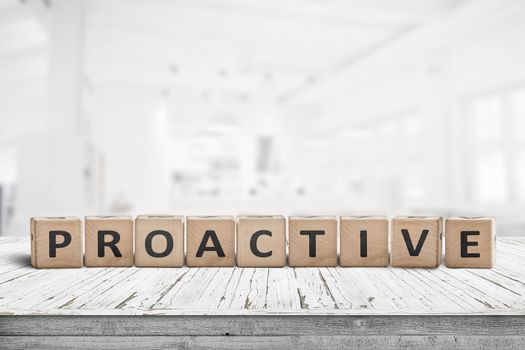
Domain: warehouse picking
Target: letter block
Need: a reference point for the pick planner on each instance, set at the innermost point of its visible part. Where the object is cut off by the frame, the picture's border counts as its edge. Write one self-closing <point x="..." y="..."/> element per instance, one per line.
<point x="363" y="241"/>
<point x="416" y="241"/>
<point x="159" y="241"/>
<point x="261" y="241"/>
<point x="210" y="241"/>
<point x="109" y="241"/>
<point x="470" y="242"/>
<point x="313" y="241"/>
<point x="56" y="242"/>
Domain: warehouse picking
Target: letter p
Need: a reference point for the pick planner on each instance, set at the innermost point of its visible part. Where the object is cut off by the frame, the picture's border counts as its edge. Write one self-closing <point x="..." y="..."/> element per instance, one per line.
<point x="53" y="245"/>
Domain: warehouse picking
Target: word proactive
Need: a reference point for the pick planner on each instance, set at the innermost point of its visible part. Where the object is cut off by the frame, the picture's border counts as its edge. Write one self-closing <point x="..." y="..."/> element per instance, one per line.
<point x="260" y="241"/>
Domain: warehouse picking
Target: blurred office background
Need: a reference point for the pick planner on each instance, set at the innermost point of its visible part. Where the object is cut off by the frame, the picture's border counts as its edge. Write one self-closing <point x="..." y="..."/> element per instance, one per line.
<point x="237" y="106"/>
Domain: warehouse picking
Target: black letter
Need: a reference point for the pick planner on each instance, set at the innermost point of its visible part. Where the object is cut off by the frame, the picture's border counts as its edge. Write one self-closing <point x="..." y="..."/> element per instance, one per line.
<point x="169" y="244"/>
<point x="253" y="244"/>
<point x="115" y="238"/>
<point x="312" y="241"/>
<point x="216" y="244"/>
<point x="410" y="246"/>
<point x="53" y="242"/>
<point x="364" y="245"/>
<point x="465" y="244"/>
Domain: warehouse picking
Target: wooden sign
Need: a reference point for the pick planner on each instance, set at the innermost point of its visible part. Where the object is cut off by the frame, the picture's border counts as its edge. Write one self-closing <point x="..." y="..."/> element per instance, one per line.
<point x="56" y="242"/>
<point x="417" y="241"/>
<point x="363" y="241"/>
<point x="260" y="241"/>
<point x="159" y="241"/>
<point x="470" y="242"/>
<point x="109" y="241"/>
<point x="313" y="241"/>
<point x="211" y="241"/>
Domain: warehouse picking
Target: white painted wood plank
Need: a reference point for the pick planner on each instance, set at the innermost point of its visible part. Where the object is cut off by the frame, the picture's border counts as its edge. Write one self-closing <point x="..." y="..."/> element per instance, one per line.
<point x="98" y="294"/>
<point x="282" y="291"/>
<point x="369" y="295"/>
<point x="231" y="289"/>
<point x="262" y="291"/>
<point x="237" y="299"/>
<point x="252" y="293"/>
<point x="190" y="297"/>
<point x="50" y="291"/>
<point x="180" y="289"/>
<point x="312" y="289"/>
<point x="148" y="293"/>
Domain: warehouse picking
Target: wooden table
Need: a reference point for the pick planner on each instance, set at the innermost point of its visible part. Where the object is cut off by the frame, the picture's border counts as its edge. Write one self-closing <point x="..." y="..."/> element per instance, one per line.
<point x="262" y="308"/>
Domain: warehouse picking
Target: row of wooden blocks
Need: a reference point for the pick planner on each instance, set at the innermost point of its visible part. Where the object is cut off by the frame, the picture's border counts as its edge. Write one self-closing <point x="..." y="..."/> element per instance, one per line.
<point x="260" y="241"/>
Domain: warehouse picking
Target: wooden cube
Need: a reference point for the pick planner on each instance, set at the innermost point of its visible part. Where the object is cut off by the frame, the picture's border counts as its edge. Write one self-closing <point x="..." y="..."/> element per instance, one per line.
<point x="416" y="241"/>
<point x="109" y="241"/>
<point x="261" y="241"/>
<point x="159" y="241"/>
<point x="313" y="241"/>
<point x="470" y="242"/>
<point x="363" y="241"/>
<point x="56" y="242"/>
<point x="210" y="241"/>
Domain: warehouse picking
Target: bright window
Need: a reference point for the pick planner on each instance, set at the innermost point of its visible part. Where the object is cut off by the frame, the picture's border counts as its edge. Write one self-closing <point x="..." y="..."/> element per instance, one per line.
<point x="495" y="140"/>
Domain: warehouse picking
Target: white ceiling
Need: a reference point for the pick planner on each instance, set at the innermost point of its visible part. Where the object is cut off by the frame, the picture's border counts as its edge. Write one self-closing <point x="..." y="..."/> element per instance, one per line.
<point x="234" y="46"/>
<point x="211" y="57"/>
<point x="239" y="45"/>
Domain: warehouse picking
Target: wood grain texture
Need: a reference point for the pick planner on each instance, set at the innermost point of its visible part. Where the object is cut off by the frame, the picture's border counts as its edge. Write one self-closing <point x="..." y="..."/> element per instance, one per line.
<point x="122" y="226"/>
<point x="305" y="253"/>
<point x="69" y="256"/>
<point x="336" y="291"/>
<point x="408" y="232"/>
<point x="479" y="237"/>
<point x="281" y="331"/>
<point x="173" y="227"/>
<point x="262" y="325"/>
<point x="276" y="243"/>
<point x="223" y="228"/>
<point x="239" y="308"/>
<point x="375" y="249"/>
<point x="268" y="342"/>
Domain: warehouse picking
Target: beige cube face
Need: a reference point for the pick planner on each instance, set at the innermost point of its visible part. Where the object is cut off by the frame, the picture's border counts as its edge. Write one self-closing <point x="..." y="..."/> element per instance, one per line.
<point x="159" y="241"/>
<point x="261" y="241"/>
<point x="56" y="242"/>
<point x="210" y="241"/>
<point x="416" y="241"/>
<point x="109" y="241"/>
<point x="363" y="241"/>
<point x="313" y="241"/>
<point x="470" y="242"/>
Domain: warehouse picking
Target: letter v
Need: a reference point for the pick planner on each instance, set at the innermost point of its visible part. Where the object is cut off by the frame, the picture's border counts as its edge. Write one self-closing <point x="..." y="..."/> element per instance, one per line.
<point x="410" y="245"/>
